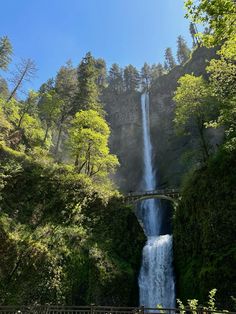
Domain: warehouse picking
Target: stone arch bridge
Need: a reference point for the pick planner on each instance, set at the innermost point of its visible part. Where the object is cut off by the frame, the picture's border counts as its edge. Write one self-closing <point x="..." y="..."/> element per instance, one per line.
<point x="165" y="194"/>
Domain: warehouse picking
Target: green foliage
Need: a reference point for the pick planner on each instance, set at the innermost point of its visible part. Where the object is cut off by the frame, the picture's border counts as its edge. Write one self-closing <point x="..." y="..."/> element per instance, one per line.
<point x="204" y="250"/>
<point x="88" y="144"/>
<point x="195" y="106"/>
<point x="115" y="79"/>
<point x="4" y="92"/>
<point x="183" y="52"/>
<point x="169" y="59"/>
<point x="58" y="242"/>
<point x="50" y="110"/>
<point x="131" y="78"/>
<point x="220" y="16"/>
<point x="223" y="84"/>
<point x="88" y="95"/>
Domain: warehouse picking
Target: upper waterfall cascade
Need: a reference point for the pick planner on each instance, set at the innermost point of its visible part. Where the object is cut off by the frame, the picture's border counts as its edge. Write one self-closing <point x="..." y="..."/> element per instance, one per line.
<point x="156" y="279"/>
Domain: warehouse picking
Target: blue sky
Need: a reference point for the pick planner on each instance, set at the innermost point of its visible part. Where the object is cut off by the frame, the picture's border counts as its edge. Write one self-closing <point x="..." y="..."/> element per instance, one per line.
<point x="122" y="31"/>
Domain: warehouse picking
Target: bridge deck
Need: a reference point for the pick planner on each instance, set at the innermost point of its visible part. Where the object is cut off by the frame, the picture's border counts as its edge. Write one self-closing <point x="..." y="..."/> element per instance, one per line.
<point x="169" y="194"/>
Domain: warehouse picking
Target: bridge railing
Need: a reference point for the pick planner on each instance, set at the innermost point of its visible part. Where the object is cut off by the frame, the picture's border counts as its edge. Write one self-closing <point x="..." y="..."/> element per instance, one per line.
<point x="52" y="309"/>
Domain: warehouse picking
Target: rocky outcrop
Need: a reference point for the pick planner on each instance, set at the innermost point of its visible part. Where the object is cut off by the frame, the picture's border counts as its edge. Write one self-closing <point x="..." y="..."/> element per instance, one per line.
<point x="124" y="117"/>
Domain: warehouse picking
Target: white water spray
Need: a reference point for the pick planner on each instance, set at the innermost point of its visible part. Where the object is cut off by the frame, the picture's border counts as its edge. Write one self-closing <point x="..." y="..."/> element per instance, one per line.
<point x="156" y="280"/>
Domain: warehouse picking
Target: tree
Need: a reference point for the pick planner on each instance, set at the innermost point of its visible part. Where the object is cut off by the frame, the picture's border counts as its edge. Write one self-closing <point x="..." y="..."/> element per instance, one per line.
<point x="115" y="79"/>
<point x="5" y="52"/>
<point x="145" y="76"/>
<point x="29" y="106"/>
<point x="50" y="109"/>
<point x="88" y="144"/>
<point x="25" y="72"/>
<point x="195" y="106"/>
<point x="223" y="84"/>
<point x="88" y="94"/>
<point x="169" y="59"/>
<point x="131" y="78"/>
<point x="100" y="64"/>
<point x="4" y="92"/>
<point x="157" y="70"/>
<point x="193" y="33"/>
<point x="47" y="86"/>
<point x="183" y="52"/>
<point x="220" y="17"/>
<point x="66" y="87"/>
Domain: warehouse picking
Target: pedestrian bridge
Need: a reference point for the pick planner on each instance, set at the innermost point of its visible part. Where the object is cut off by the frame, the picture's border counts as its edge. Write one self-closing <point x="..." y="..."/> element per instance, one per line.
<point x="165" y="194"/>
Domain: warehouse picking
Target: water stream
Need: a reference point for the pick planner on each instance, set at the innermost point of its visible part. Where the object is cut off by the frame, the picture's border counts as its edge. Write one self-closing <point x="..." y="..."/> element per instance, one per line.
<point x="156" y="279"/>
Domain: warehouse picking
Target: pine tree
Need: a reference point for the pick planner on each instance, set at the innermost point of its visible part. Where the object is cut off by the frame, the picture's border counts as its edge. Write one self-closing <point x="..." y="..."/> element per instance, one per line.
<point x="100" y="64"/>
<point x="157" y="70"/>
<point x="5" y="52"/>
<point x="170" y="61"/>
<point x="145" y="76"/>
<point x="88" y="95"/>
<point x="115" y="79"/>
<point x="183" y="52"/>
<point x="131" y="78"/>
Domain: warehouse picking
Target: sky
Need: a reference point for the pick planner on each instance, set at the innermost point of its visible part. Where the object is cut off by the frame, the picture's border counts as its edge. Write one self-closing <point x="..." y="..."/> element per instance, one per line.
<point x="121" y="31"/>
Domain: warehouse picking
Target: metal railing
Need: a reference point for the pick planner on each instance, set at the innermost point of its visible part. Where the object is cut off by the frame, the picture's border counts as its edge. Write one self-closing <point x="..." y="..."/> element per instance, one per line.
<point x="53" y="309"/>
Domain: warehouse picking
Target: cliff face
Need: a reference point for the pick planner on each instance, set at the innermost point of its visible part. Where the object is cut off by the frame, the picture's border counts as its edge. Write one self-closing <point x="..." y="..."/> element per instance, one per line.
<point x="124" y="117"/>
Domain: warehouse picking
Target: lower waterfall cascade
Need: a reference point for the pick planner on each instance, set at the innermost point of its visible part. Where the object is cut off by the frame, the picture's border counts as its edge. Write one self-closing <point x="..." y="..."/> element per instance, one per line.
<point x="156" y="278"/>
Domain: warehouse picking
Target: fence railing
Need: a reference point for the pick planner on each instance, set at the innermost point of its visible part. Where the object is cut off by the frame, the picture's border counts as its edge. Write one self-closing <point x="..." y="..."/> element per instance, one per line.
<point x="53" y="309"/>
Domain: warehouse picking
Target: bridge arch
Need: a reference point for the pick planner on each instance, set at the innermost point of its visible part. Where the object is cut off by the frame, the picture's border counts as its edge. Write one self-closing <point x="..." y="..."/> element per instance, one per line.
<point x="171" y="195"/>
<point x="155" y="196"/>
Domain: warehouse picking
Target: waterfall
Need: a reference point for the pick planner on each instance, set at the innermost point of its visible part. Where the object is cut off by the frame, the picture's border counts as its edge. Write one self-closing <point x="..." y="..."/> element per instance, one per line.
<point x="156" y="280"/>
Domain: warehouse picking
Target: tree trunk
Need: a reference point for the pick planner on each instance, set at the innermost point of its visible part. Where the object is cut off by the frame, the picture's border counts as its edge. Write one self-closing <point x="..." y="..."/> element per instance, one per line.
<point x="17" y="85"/>
<point x="46" y="134"/>
<point x="59" y="136"/>
<point x="203" y="140"/>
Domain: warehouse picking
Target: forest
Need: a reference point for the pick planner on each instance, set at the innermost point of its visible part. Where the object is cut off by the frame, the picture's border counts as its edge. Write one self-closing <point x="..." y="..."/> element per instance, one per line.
<point x="67" y="235"/>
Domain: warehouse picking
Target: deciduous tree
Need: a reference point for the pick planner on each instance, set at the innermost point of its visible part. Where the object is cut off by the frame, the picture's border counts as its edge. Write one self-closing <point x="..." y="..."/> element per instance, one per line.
<point x="195" y="106"/>
<point x="88" y="144"/>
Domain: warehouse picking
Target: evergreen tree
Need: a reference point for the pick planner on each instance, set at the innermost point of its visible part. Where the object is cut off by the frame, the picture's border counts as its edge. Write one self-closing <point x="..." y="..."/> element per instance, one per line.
<point x="169" y="58"/>
<point x="166" y="68"/>
<point x="100" y="64"/>
<point x="115" y="79"/>
<point x="4" y="91"/>
<point x="131" y="78"/>
<point x="145" y="76"/>
<point x="66" y="88"/>
<point x="88" y="95"/>
<point x="47" y="86"/>
<point x="157" y="70"/>
<point x="183" y="52"/>
<point x="5" y="52"/>
<point x="193" y="32"/>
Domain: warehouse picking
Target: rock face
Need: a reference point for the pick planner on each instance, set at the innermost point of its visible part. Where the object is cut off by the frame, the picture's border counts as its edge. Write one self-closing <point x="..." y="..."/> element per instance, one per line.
<point x="124" y="117"/>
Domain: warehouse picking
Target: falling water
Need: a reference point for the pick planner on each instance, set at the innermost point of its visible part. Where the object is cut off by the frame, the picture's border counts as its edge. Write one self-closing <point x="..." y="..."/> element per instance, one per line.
<point x="156" y="281"/>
